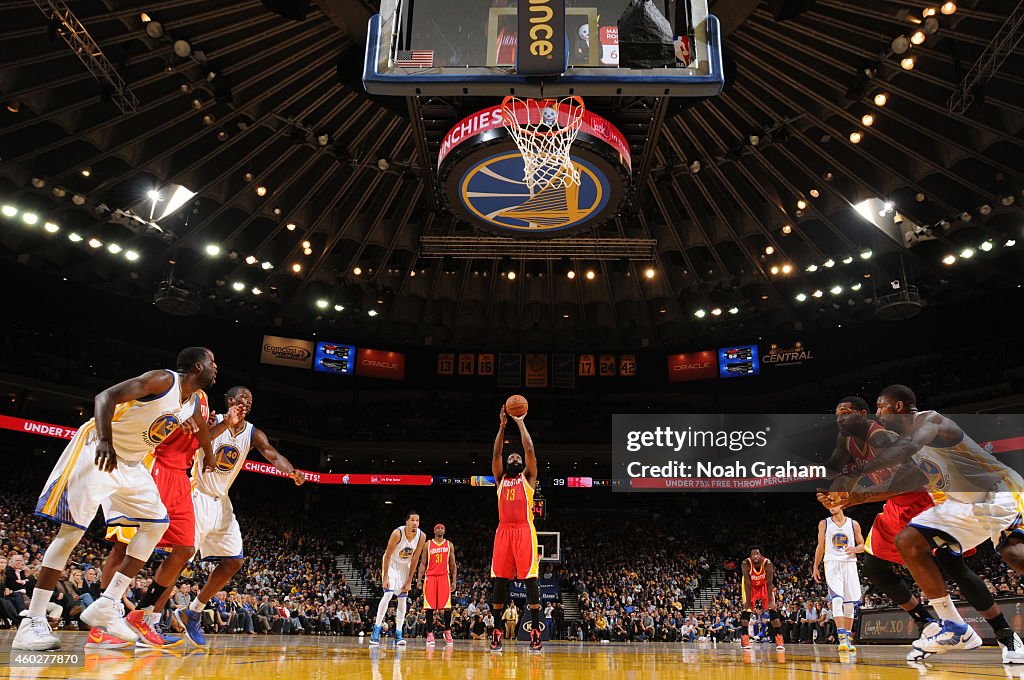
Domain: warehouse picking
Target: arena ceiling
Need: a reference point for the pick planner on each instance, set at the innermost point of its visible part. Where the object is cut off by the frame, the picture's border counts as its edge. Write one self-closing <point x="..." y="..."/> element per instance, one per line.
<point x="263" y="101"/>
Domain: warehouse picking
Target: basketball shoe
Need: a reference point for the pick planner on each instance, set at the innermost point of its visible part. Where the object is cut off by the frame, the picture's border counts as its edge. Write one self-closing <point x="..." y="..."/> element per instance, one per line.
<point x="448" y="637"/>
<point x="951" y="637"/>
<point x="375" y="636"/>
<point x="35" y="635"/>
<point x="99" y="638"/>
<point x="744" y="641"/>
<point x="192" y="623"/>
<point x="780" y="644"/>
<point x="148" y="637"/>
<point x="105" y="613"/>
<point x="1010" y="644"/>
<point x="430" y="639"/>
<point x="535" y="642"/>
<point x="399" y="640"/>
<point x="496" y="640"/>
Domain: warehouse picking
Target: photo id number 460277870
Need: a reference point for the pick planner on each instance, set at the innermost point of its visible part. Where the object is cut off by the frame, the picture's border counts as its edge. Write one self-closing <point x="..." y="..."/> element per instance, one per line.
<point x="29" y="659"/>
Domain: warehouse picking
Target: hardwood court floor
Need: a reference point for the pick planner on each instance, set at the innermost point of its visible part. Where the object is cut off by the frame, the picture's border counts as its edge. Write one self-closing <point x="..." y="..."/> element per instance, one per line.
<point x="245" y="657"/>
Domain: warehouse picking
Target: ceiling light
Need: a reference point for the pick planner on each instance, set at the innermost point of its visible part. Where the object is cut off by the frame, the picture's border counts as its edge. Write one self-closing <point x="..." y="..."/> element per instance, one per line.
<point x="256" y="290"/>
<point x="695" y="167"/>
<point x="570" y="274"/>
<point x="985" y="209"/>
<point x="1007" y="200"/>
<point x="29" y="218"/>
<point x="357" y="271"/>
<point x="716" y="311"/>
<point x="786" y="229"/>
<point x="734" y="310"/>
<point x="817" y="294"/>
<point x="511" y="276"/>
<point x="814" y="193"/>
<point x="9" y="211"/>
<point x="322" y="304"/>
<point x="154" y="29"/>
<point x="1010" y="243"/>
<point x="965" y="216"/>
<point x="222" y="135"/>
<point x="649" y="272"/>
<point x="182" y="48"/>
<point x="305" y="244"/>
<point x="836" y="290"/>
<point x="197" y="103"/>
<point x="383" y="164"/>
<point x="590" y="275"/>
<point x="855" y="137"/>
<point x="848" y="259"/>
<point x="51" y="228"/>
<point x="212" y="249"/>
<point x="267" y="265"/>
<point x="372" y="312"/>
<point x="865" y="254"/>
<point x="238" y="285"/>
<point x="14" y="106"/>
<point x="812" y="268"/>
<point x="248" y="177"/>
<point x="828" y="263"/>
<point x="144" y="18"/>
<point x="95" y="242"/>
<point x="800" y="297"/>
<point x="787" y="268"/>
<point x="867" y="120"/>
<point x="900" y="44"/>
<point x="917" y="37"/>
<point x="74" y="238"/>
<point x="856" y="286"/>
<point x="908" y="62"/>
<point x="38" y="182"/>
<point x="412" y="272"/>
<point x="290" y="226"/>
<point x="338" y="308"/>
<point x="986" y="246"/>
<point x="700" y="314"/>
<point x="801" y="204"/>
<point x="948" y="8"/>
<point x="86" y="172"/>
<point x="774" y="270"/>
<point x="131" y="255"/>
<point x="307" y="251"/>
<point x="153" y="194"/>
<point x="209" y="119"/>
<point x="296" y="267"/>
<point x="881" y="99"/>
<point x="967" y="253"/>
<point x="251" y="259"/>
<point x="928" y="12"/>
<point x="768" y="250"/>
<point x="931" y="26"/>
<point x="114" y="248"/>
<point x="949" y="259"/>
<point x="261" y="190"/>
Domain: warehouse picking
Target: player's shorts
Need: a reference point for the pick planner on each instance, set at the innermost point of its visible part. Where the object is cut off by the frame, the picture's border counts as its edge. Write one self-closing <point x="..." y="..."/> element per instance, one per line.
<point x="515" y="552"/>
<point x="962" y="526"/>
<point x="896" y="514"/>
<point x="437" y="592"/>
<point x="842" y="580"/>
<point x="76" y="488"/>
<point x="176" y="493"/>
<point x="398" y="576"/>
<point x="217" y="535"/>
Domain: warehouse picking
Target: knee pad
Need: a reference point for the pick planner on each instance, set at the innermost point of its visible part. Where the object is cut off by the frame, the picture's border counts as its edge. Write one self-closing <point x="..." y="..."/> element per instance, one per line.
<point x="837" y="607"/>
<point x="972" y="587"/>
<point x="147" y="535"/>
<point x="60" y="548"/>
<point x="532" y="591"/>
<point x="880" y="573"/>
<point x="500" y="591"/>
<point x="849" y="609"/>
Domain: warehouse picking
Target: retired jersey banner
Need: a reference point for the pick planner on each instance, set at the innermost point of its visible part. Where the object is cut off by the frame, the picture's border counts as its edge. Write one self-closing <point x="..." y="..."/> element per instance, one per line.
<point x="510" y="369"/>
<point x="445" y="364"/>
<point x="563" y="372"/>
<point x="485" y="364"/>
<point x="467" y="364"/>
<point x="606" y="366"/>
<point x="286" y="352"/>
<point x="536" y="370"/>
<point x="588" y="366"/>
<point x="377" y="363"/>
<point x="627" y="365"/>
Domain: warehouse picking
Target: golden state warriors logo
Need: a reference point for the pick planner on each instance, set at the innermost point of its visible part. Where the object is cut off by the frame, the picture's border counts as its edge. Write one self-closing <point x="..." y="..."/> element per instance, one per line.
<point x="494" y="192"/>
<point x="405" y="553"/>
<point x="226" y="456"/>
<point x="840" y="541"/>
<point x="933" y="472"/>
<point x="161" y="428"/>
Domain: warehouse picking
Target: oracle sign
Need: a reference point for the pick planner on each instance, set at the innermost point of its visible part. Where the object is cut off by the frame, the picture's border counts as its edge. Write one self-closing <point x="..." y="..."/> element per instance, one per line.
<point x="692" y="366"/>
<point x="377" y="363"/>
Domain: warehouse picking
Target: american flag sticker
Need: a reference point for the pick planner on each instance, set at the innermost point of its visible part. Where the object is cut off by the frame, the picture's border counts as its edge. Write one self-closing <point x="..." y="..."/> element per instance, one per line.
<point x="415" y="58"/>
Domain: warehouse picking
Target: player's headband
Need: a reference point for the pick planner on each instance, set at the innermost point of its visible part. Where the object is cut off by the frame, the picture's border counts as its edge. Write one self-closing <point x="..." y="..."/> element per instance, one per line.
<point x="438" y="527"/>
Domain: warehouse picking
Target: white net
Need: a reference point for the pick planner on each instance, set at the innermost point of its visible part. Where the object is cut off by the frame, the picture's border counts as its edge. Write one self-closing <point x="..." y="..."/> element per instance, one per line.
<point x="544" y="130"/>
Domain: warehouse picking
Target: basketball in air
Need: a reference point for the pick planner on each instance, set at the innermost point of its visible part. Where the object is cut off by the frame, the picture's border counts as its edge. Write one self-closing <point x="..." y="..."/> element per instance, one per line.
<point x="516" y="405"/>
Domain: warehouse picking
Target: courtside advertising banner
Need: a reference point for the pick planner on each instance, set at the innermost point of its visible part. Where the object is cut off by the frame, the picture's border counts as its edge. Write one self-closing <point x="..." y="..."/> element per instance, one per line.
<point x="810" y="453"/>
<point x="286" y="352"/>
<point x="378" y="363"/>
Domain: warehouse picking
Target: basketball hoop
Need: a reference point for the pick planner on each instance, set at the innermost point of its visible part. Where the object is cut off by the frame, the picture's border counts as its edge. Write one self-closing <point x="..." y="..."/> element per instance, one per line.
<point x="544" y="130"/>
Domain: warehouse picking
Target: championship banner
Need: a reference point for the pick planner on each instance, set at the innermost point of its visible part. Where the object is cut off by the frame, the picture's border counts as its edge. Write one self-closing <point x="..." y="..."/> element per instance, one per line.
<point x="536" y="370"/>
<point x="376" y="363"/>
<point x="562" y="370"/>
<point x="510" y="368"/>
<point x="445" y="364"/>
<point x="286" y="352"/>
<point x="467" y="364"/>
<point x="588" y="367"/>
<point x="485" y="364"/>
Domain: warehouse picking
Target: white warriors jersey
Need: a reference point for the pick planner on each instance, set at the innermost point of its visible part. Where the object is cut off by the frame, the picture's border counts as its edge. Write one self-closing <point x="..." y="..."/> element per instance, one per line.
<point x="838" y="539"/>
<point x="964" y="471"/>
<point x="140" y="426"/>
<point x="406" y="547"/>
<point x="229" y="451"/>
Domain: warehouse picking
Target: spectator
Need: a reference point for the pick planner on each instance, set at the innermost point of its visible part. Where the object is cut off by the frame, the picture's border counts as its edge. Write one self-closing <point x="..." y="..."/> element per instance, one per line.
<point x="511" y="619"/>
